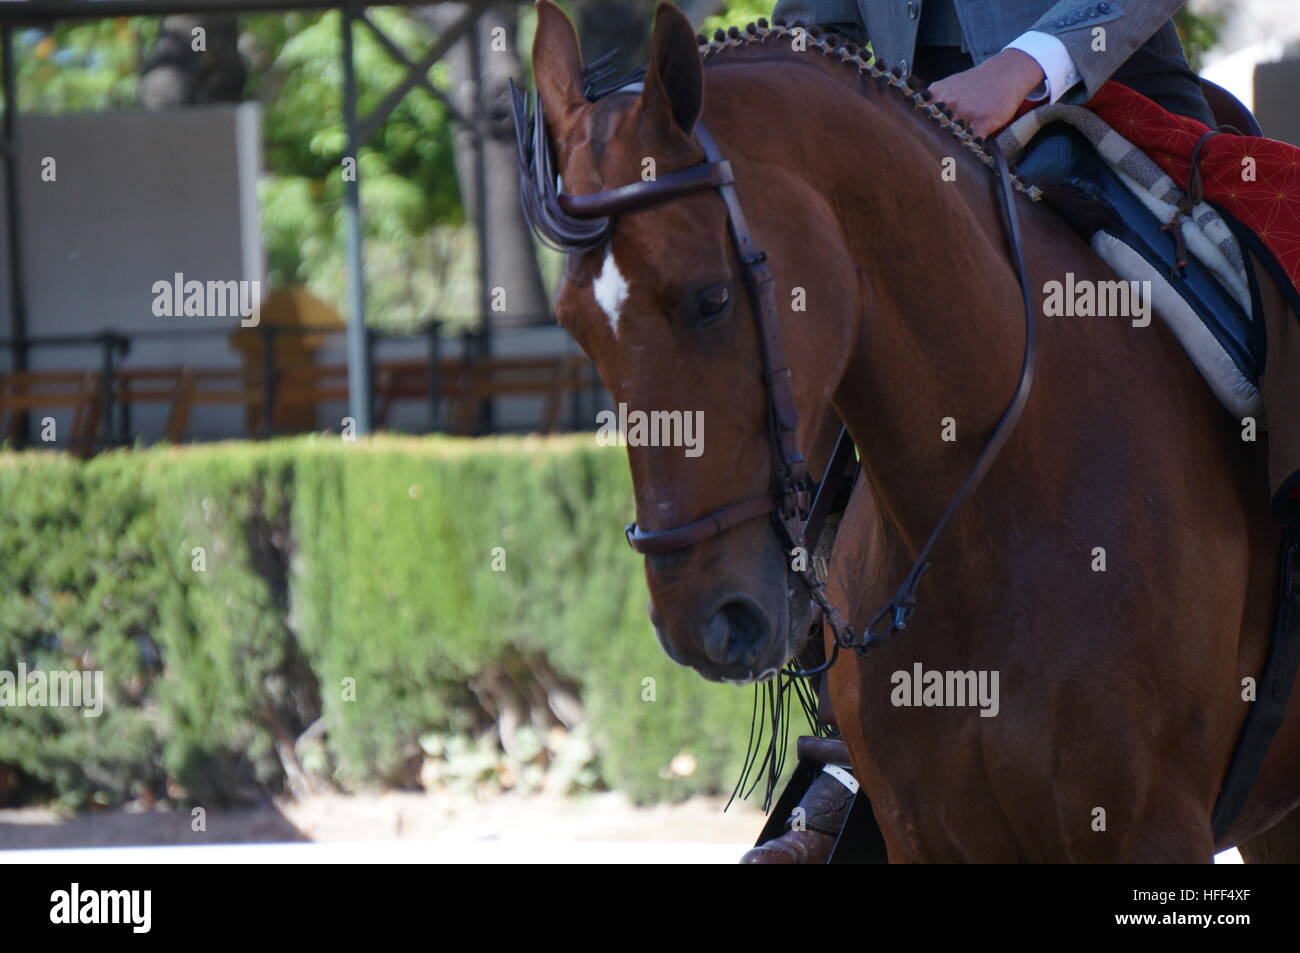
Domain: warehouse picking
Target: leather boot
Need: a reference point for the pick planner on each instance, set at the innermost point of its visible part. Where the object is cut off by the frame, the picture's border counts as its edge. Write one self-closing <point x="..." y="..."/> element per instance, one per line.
<point x="822" y="812"/>
<point x="792" y="847"/>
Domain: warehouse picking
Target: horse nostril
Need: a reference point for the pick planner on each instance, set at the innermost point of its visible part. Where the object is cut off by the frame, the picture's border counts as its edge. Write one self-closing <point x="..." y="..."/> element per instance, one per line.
<point x="735" y="633"/>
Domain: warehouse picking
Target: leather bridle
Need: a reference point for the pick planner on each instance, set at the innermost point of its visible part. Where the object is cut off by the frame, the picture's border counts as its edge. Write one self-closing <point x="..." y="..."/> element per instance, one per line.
<point x="797" y="506"/>
<point x="790" y="497"/>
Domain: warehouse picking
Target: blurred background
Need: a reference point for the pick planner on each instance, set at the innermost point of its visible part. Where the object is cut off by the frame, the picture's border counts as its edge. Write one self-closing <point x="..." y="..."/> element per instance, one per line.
<point x="304" y="629"/>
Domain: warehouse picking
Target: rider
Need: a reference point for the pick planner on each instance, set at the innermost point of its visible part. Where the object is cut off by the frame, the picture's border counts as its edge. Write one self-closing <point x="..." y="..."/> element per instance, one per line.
<point x="984" y="58"/>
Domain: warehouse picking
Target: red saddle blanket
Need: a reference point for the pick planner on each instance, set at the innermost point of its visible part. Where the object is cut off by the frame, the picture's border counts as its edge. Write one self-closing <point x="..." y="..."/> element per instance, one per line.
<point x="1256" y="180"/>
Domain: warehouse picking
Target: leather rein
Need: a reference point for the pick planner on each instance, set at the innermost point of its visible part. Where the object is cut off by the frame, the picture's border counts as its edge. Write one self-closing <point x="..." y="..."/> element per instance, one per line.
<point x="797" y="506"/>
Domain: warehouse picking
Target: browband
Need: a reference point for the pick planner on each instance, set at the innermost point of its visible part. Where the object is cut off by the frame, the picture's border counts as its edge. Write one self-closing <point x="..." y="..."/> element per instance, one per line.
<point x="643" y="195"/>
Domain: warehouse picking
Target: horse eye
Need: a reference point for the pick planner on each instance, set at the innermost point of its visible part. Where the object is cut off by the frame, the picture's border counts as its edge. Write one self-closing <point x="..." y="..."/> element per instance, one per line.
<point x="713" y="303"/>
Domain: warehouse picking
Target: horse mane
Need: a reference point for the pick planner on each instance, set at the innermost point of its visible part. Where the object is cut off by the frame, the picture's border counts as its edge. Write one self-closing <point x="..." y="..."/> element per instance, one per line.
<point x="848" y="62"/>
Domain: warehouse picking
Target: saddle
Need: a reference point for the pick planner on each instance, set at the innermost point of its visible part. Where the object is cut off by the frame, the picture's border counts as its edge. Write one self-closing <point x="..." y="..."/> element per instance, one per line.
<point x="1223" y="337"/>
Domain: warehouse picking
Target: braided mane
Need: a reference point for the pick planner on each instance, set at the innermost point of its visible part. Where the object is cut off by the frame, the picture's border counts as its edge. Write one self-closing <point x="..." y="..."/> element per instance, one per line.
<point x="539" y="185"/>
<point x="838" y="49"/>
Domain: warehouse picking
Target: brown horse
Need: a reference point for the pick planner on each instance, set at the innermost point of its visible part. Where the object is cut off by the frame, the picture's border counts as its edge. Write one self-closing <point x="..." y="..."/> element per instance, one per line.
<point x="1114" y="570"/>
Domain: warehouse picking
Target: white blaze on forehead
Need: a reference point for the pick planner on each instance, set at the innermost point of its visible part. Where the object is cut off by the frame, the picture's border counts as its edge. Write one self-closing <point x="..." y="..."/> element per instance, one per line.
<point x="611" y="290"/>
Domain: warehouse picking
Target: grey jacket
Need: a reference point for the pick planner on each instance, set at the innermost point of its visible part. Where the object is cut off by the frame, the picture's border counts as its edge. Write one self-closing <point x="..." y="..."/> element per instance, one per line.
<point x="989" y="25"/>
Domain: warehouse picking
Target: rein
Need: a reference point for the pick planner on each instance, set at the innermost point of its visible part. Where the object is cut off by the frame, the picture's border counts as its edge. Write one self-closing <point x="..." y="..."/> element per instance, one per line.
<point x="901" y="606"/>
<point x="798" y="507"/>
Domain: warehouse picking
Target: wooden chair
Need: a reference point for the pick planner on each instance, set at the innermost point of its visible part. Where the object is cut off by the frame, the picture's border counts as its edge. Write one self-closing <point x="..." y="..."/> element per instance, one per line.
<point x="549" y="377"/>
<point x="170" y="385"/>
<point x="79" y="391"/>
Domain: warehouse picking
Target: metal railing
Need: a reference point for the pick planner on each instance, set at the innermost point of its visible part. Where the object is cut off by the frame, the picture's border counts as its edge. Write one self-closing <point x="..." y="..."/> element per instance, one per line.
<point x="114" y="347"/>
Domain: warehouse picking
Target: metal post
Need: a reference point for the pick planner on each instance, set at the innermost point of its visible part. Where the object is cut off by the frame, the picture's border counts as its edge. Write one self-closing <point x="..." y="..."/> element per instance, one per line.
<point x="13" y="222"/>
<point x="482" y="339"/>
<point x="469" y="352"/>
<point x="124" y="423"/>
<point x="577" y="398"/>
<point x="124" y="408"/>
<point x="360" y="394"/>
<point x="372" y="337"/>
<point x="269" y="381"/>
<point x="108" y="342"/>
<point x="435" y="356"/>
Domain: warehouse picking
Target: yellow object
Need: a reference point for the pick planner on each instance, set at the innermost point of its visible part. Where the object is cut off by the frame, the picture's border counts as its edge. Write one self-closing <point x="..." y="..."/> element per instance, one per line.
<point x="291" y="308"/>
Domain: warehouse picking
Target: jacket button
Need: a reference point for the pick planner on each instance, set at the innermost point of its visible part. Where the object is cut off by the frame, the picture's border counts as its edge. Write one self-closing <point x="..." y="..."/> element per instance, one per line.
<point x="911" y="10"/>
<point x="1104" y="7"/>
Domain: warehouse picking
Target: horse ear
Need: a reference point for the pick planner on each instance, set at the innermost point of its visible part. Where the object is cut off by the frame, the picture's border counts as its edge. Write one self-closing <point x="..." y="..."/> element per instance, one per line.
<point x="674" y="83"/>
<point x="557" y="62"/>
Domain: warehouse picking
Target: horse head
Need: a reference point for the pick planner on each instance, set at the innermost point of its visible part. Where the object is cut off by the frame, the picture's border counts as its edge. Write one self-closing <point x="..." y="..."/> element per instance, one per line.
<point x="658" y="299"/>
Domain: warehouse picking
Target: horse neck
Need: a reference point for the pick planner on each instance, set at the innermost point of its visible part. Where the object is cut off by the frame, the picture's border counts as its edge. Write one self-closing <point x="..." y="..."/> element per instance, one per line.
<point x="936" y="324"/>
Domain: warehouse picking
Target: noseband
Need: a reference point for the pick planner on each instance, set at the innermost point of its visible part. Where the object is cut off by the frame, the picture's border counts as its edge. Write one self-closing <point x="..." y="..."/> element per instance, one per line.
<point x="797" y="506"/>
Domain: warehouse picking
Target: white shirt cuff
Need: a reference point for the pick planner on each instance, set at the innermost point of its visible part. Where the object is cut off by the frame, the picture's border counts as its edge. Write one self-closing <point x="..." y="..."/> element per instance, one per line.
<point x="1053" y="58"/>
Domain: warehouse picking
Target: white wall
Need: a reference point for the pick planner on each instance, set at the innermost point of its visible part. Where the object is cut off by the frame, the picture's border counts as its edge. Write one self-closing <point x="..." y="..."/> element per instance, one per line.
<point x="136" y="198"/>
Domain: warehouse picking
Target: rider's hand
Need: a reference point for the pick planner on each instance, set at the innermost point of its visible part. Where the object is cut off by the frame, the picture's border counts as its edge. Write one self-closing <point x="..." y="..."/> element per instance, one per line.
<point x="988" y="95"/>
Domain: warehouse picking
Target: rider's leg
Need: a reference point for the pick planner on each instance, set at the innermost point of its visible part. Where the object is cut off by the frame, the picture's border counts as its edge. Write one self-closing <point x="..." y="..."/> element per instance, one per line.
<point x="812" y="828"/>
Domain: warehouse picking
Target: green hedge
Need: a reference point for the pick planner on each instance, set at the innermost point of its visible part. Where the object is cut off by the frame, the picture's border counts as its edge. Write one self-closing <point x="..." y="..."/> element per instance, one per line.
<point x="236" y="594"/>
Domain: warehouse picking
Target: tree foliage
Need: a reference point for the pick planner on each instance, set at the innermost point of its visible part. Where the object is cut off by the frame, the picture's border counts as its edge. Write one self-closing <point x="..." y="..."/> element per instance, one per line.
<point x="419" y="262"/>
